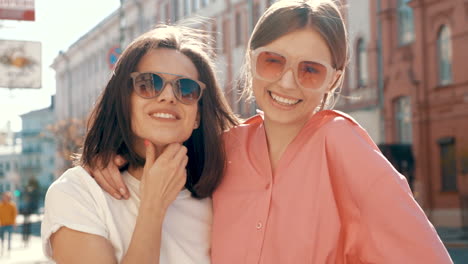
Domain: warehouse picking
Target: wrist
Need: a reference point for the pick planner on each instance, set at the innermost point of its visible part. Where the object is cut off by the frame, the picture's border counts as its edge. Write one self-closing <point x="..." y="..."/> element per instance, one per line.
<point x="154" y="208"/>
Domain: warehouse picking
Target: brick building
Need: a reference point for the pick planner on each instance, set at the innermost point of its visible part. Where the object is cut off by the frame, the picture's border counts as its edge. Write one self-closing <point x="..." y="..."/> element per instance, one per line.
<point x="424" y="59"/>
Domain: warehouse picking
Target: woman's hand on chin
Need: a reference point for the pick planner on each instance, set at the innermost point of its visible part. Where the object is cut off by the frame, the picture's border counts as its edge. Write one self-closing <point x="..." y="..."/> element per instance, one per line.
<point x="164" y="176"/>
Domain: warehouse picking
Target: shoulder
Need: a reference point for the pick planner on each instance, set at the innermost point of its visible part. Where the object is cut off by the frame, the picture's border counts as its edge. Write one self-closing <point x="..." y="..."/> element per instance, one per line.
<point x="341" y="127"/>
<point x="330" y="119"/>
<point x="71" y="179"/>
<point x="244" y="130"/>
<point x="74" y="182"/>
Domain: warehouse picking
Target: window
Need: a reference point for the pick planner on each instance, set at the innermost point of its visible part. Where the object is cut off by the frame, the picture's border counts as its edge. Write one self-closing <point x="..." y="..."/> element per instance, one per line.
<point x="448" y="164"/>
<point x="255" y="14"/>
<point x="361" y="64"/>
<point x="194" y="6"/>
<point x="403" y="123"/>
<point x="186" y="8"/>
<point x="166" y="13"/>
<point x="444" y="50"/>
<point x="405" y="22"/>
<point x="175" y="10"/>
<point x="238" y="29"/>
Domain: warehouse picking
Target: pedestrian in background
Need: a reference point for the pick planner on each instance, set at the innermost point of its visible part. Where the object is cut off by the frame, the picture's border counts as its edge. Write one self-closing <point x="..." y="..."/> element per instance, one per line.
<point x="8" y="213"/>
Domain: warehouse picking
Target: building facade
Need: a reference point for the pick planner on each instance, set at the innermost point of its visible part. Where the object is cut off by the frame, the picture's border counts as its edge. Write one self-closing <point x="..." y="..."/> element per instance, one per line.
<point x="10" y="155"/>
<point x="360" y="95"/>
<point x="37" y="161"/>
<point x="424" y="59"/>
<point x="85" y="67"/>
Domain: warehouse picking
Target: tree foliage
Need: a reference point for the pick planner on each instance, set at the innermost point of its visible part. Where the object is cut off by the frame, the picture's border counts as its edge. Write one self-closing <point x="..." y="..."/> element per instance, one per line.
<point x="69" y="135"/>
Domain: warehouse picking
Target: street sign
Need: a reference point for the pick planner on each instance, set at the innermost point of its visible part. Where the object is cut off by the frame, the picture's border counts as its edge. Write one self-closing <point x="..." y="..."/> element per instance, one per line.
<point x="17" y="10"/>
<point x="20" y="64"/>
<point x="113" y="55"/>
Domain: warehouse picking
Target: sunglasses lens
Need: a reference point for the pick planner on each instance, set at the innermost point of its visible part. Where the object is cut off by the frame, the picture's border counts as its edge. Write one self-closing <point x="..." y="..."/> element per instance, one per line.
<point x="150" y="85"/>
<point x="311" y="75"/>
<point x="143" y="85"/>
<point x="158" y="83"/>
<point x="190" y="91"/>
<point x="270" y="65"/>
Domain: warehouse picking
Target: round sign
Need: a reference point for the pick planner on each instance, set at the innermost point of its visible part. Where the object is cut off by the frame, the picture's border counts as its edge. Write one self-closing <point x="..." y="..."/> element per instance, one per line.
<point x="113" y="56"/>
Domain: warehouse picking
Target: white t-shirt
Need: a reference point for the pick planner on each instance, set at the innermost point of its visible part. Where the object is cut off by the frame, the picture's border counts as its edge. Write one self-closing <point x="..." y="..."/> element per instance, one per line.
<point x="77" y="202"/>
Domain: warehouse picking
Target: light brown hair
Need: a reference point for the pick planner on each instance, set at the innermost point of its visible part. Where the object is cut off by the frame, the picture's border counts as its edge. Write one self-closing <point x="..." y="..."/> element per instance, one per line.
<point x="110" y="122"/>
<point x="286" y="16"/>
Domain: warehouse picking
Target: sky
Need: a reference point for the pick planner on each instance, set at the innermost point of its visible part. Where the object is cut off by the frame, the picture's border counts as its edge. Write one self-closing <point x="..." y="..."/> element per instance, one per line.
<point x="59" y="23"/>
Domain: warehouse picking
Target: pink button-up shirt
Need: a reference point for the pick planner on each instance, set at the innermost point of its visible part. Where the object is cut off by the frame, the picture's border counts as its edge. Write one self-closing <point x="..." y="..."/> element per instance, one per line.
<point x="333" y="199"/>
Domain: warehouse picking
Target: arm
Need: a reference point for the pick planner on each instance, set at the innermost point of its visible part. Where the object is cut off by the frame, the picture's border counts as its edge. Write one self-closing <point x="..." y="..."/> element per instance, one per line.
<point x="92" y="248"/>
<point x="15" y="214"/>
<point x="144" y="247"/>
<point x="109" y="178"/>
<point x="162" y="180"/>
<point x="392" y="228"/>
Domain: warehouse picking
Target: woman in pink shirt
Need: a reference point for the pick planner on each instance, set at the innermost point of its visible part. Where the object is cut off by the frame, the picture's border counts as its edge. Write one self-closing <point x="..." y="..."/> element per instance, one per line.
<point x="305" y="184"/>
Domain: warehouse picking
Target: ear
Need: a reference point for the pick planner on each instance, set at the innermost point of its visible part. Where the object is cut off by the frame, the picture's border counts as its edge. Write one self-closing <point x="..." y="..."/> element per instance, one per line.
<point x="197" y="121"/>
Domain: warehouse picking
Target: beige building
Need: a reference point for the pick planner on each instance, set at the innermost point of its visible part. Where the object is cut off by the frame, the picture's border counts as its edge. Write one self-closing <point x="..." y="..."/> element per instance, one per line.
<point x="84" y="68"/>
<point x="360" y="94"/>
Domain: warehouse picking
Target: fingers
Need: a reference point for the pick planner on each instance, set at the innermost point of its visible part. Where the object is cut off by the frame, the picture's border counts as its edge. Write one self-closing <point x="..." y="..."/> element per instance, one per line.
<point x="119" y="161"/>
<point x="181" y="160"/>
<point x="103" y="182"/>
<point x="180" y="155"/>
<point x="181" y="176"/>
<point x="150" y="155"/>
<point x="171" y="151"/>
<point x="116" y="180"/>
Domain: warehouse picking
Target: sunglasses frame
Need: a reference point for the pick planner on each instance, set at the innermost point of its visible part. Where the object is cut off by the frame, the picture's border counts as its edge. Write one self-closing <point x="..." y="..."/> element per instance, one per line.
<point x="177" y="91"/>
<point x="292" y="63"/>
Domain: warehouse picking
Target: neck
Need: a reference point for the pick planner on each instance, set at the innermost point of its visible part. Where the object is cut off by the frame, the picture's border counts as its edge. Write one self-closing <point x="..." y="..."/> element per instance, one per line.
<point x="136" y="172"/>
<point x="279" y="136"/>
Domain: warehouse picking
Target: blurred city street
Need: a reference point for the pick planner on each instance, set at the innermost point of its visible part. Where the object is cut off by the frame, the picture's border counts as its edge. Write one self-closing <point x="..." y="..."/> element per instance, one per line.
<point x="19" y="254"/>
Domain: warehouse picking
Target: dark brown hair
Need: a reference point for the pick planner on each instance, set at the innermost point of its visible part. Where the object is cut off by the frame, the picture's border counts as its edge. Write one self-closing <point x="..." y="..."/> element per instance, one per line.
<point x="284" y="17"/>
<point x="110" y="122"/>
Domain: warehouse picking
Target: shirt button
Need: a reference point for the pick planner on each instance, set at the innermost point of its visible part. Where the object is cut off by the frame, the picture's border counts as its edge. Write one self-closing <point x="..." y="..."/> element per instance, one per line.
<point x="259" y="225"/>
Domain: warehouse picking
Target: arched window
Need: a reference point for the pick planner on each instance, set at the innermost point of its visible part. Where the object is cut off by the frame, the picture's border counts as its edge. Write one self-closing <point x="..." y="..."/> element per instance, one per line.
<point x="405" y="22"/>
<point x="444" y="54"/>
<point x="403" y="120"/>
<point x="361" y="64"/>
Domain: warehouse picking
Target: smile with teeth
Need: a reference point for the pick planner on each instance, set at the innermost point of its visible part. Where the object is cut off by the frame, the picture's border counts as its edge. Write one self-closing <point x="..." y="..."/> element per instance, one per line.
<point x="282" y="100"/>
<point x="164" y="115"/>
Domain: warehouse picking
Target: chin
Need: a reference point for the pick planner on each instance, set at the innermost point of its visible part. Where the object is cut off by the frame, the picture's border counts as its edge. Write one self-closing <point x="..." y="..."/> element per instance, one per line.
<point x="162" y="140"/>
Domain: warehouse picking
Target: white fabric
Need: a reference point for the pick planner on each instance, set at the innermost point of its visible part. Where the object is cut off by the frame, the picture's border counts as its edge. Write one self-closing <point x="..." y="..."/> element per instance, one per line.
<point x="76" y="201"/>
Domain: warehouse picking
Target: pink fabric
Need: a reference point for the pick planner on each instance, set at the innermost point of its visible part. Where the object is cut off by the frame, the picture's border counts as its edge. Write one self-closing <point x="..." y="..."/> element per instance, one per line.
<point x="333" y="199"/>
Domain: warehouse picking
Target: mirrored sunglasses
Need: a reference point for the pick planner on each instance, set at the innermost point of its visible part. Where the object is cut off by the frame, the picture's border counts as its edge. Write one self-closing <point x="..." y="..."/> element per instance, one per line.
<point x="151" y="84"/>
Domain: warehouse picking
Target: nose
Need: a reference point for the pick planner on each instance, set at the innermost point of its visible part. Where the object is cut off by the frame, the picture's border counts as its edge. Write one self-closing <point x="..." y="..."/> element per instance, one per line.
<point x="287" y="80"/>
<point x="167" y="94"/>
